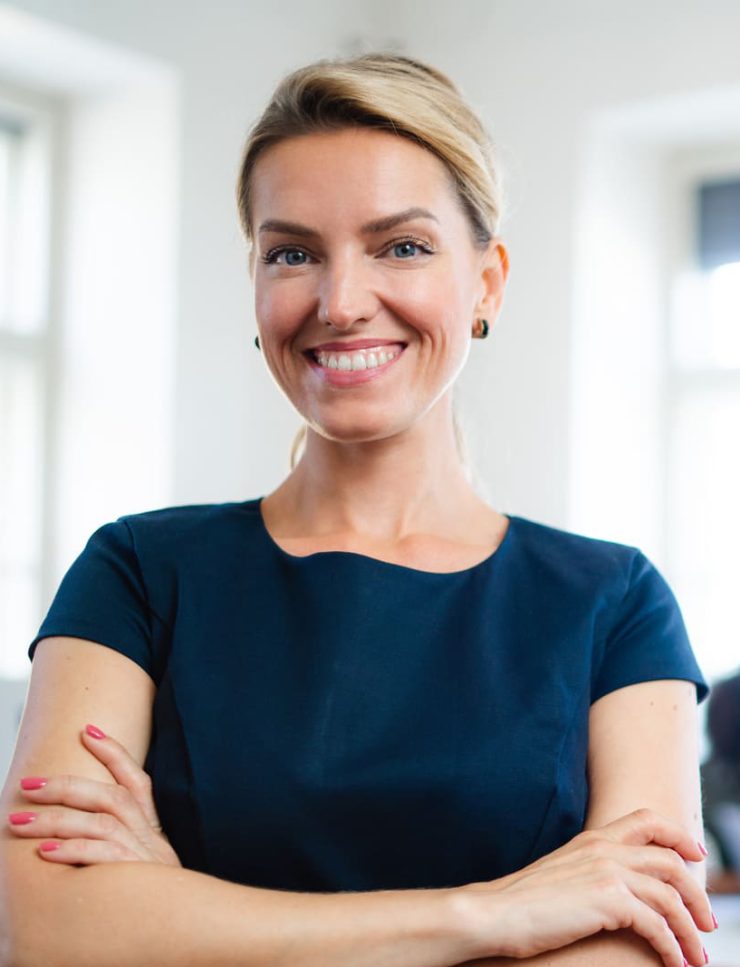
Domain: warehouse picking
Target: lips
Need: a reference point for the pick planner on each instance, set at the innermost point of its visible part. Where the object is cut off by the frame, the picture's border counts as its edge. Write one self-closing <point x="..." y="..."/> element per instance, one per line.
<point x="346" y="378"/>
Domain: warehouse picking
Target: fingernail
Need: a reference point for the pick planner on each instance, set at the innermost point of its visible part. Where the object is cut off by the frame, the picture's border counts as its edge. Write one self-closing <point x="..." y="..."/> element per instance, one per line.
<point x="685" y="963"/>
<point x="702" y="848"/>
<point x="20" y="819"/>
<point x="33" y="782"/>
<point x="47" y="847"/>
<point x="94" y="731"/>
<point x="714" y="920"/>
<point x="706" y="956"/>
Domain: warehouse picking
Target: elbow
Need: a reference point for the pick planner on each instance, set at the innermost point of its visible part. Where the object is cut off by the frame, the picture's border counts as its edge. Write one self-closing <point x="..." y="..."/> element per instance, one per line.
<point x="29" y="932"/>
<point x="9" y="902"/>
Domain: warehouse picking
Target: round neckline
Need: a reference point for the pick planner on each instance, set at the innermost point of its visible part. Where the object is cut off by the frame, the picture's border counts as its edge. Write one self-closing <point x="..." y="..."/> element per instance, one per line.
<point x="298" y="559"/>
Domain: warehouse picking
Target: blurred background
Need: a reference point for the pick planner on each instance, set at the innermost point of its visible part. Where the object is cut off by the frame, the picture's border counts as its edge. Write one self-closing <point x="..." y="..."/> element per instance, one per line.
<point x="606" y="401"/>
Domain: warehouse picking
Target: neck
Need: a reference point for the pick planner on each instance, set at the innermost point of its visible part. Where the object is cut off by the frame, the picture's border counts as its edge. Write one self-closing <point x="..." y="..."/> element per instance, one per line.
<point x="383" y="491"/>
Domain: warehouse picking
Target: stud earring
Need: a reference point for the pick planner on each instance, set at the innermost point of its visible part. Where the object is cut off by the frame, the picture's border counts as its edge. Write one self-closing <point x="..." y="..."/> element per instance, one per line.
<point x="257" y="342"/>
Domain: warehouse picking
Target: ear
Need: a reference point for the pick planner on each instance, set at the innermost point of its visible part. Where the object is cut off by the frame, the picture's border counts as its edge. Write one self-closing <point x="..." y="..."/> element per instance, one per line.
<point x="494" y="270"/>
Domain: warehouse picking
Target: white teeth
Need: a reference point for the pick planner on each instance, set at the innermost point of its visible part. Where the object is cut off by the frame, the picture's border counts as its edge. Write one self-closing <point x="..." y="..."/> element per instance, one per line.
<point x="360" y="359"/>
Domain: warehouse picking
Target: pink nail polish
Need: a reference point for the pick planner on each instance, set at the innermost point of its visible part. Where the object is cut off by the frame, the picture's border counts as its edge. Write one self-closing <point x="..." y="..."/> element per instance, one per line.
<point x="714" y="921"/>
<point x="20" y="819"/>
<point x="702" y="848"/>
<point x="94" y="731"/>
<point x="706" y="956"/>
<point x="33" y="782"/>
<point x="47" y="847"/>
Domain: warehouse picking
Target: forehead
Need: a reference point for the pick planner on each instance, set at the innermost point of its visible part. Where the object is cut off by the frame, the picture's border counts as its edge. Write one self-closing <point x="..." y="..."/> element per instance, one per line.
<point x="355" y="169"/>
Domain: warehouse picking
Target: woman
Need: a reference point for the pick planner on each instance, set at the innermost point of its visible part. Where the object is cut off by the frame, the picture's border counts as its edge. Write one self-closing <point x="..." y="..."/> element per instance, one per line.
<point x="375" y="698"/>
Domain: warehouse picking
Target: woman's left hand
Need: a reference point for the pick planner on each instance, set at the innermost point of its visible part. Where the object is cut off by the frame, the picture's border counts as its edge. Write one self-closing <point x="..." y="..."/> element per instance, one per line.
<point x="97" y="822"/>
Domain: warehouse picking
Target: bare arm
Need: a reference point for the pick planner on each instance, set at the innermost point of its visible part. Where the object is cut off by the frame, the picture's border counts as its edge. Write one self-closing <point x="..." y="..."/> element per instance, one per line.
<point x="643" y="751"/>
<point x="137" y="913"/>
<point x="121" y="914"/>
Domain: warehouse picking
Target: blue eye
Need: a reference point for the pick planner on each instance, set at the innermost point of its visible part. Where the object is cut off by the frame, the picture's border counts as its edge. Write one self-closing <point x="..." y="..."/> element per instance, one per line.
<point x="272" y="256"/>
<point x="412" y="247"/>
<point x="405" y="245"/>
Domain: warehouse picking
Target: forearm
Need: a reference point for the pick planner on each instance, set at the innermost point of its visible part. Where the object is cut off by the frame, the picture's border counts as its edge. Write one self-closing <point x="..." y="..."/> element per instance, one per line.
<point x="618" y="948"/>
<point x="140" y="914"/>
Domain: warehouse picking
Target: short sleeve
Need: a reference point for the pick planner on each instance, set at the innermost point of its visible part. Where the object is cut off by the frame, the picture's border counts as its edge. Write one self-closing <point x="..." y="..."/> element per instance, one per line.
<point x="648" y="638"/>
<point x="102" y="597"/>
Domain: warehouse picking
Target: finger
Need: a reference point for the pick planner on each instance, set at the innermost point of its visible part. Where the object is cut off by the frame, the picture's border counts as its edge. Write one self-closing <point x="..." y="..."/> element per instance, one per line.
<point x="76" y="824"/>
<point x="669" y="867"/>
<point x="654" y="928"/>
<point x="85" y="852"/>
<point x="668" y="902"/>
<point x="644" y="826"/>
<point x="126" y="771"/>
<point x="93" y="800"/>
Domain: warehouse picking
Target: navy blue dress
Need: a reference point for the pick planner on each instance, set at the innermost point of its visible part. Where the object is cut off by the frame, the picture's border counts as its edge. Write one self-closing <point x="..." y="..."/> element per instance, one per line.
<point x="339" y="723"/>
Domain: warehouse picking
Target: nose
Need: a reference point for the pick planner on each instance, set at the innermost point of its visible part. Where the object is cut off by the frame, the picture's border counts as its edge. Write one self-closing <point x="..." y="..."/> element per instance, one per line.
<point x="345" y="294"/>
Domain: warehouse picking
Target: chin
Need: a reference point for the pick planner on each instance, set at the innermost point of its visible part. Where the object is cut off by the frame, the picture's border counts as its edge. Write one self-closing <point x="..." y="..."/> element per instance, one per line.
<point x="354" y="433"/>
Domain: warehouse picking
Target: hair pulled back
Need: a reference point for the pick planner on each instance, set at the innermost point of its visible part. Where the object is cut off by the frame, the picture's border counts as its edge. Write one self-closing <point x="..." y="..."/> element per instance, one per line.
<point x="393" y="93"/>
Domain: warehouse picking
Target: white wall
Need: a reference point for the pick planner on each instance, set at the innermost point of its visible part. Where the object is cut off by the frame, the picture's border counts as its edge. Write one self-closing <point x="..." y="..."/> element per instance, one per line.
<point x="617" y="354"/>
<point x="635" y="238"/>
<point x="111" y="303"/>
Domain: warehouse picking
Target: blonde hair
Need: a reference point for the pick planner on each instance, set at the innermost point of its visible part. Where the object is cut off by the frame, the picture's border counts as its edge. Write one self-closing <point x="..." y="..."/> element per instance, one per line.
<point x="393" y="93"/>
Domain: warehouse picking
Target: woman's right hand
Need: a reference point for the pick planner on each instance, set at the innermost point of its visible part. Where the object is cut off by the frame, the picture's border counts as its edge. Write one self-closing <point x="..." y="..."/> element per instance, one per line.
<point x="628" y="873"/>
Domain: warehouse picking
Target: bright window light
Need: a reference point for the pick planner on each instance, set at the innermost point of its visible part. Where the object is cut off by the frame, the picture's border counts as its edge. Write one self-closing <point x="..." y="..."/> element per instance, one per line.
<point x="24" y="354"/>
<point x="705" y="527"/>
<point x="723" y="303"/>
<point x="706" y="330"/>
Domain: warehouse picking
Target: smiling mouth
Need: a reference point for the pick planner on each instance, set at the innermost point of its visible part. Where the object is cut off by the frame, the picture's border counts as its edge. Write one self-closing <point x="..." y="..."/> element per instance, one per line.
<point x="339" y="369"/>
<point x="356" y="360"/>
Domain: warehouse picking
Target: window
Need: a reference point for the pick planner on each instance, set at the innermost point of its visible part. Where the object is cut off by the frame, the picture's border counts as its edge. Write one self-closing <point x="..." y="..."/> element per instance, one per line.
<point x="703" y="414"/>
<point x="25" y="165"/>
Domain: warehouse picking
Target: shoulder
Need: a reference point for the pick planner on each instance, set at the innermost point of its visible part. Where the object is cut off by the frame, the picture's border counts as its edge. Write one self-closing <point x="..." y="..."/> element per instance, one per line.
<point x="576" y="562"/>
<point x="186" y="516"/>
<point x="197" y="526"/>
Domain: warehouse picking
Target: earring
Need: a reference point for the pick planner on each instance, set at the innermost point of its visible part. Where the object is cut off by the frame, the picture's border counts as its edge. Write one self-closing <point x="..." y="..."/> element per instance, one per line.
<point x="484" y="331"/>
<point x="257" y="342"/>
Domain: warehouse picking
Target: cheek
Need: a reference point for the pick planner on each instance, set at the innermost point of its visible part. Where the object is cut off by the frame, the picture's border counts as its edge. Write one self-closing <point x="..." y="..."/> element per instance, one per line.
<point x="433" y="293"/>
<point x="277" y="305"/>
<point x="432" y="307"/>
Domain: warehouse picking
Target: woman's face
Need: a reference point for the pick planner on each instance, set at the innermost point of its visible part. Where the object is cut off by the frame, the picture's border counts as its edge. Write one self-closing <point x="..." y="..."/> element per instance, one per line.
<point x="359" y="235"/>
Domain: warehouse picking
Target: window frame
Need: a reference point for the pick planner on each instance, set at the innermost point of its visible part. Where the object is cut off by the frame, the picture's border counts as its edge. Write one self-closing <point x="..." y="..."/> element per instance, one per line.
<point x="688" y="168"/>
<point x="42" y="115"/>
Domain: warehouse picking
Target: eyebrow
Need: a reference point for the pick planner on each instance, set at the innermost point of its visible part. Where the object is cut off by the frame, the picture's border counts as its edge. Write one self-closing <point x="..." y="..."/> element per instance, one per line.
<point x="369" y="228"/>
